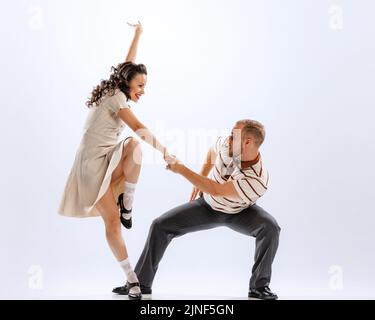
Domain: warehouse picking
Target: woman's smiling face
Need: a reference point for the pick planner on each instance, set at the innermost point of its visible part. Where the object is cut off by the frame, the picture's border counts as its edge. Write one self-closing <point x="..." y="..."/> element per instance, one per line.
<point x="137" y="87"/>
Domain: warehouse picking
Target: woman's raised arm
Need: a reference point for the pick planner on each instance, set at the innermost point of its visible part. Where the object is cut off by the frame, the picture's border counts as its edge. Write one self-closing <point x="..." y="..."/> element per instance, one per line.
<point x="132" y="54"/>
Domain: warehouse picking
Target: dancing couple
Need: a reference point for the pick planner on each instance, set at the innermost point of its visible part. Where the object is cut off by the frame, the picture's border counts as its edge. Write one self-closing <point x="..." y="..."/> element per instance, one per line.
<point x="105" y="173"/>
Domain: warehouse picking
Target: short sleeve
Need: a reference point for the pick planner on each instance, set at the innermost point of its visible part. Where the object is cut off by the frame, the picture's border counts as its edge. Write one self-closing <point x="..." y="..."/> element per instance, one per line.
<point x="218" y="144"/>
<point x="249" y="190"/>
<point x="118" y="102"/>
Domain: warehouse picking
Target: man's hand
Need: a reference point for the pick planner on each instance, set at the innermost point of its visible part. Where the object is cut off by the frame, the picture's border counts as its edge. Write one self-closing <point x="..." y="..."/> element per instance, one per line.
<point x="200" y="182"/>
<point x="194" y="194"/>
<point x="173" y="164"/>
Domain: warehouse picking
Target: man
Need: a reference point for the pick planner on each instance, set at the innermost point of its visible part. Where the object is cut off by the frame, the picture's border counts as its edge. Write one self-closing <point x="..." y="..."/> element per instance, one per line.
<point x="228" y="198"/>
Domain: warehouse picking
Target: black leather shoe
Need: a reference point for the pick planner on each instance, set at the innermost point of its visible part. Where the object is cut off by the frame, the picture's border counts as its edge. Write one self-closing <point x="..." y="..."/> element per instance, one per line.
<point x="264" y="293"/>
<point x="125" y="222"/>
<point x="124" y="291"/>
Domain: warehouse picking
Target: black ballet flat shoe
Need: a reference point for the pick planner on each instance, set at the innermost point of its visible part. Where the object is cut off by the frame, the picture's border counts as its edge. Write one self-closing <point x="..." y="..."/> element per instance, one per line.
<point x="263" y="293"/>
<point x="128" y="224"/>
<point x="124" y="291"/>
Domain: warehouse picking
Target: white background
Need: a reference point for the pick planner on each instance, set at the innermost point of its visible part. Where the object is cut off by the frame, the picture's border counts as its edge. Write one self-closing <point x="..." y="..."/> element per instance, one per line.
<point x="304" y="68"/>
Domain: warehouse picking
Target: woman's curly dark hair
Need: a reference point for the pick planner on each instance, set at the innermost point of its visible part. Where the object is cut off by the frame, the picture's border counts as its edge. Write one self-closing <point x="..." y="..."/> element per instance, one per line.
<point x="120" y="78"/>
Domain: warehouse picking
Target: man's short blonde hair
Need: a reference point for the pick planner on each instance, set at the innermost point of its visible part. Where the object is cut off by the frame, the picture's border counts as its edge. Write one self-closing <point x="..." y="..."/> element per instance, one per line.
<point x="255" y="129"/>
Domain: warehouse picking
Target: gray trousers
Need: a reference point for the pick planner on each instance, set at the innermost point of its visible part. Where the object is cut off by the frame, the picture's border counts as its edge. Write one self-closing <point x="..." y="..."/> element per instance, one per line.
<point x="198" y="215"/>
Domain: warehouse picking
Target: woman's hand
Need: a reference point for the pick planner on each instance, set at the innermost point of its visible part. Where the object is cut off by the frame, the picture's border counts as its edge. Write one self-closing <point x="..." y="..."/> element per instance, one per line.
<point x="138" y="27"/>
<point x="194" y="194"/>
<point x="166" y="154"/>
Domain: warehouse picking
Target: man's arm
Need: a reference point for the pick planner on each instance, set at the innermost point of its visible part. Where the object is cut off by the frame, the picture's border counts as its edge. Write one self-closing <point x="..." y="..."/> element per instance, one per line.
<point x="203" y="183"/>
<point x="205" y="171"/>
<point x="209" y="162"/>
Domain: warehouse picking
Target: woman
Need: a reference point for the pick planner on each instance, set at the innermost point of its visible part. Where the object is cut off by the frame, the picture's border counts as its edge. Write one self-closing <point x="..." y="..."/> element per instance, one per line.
<point x="105" y="172"/>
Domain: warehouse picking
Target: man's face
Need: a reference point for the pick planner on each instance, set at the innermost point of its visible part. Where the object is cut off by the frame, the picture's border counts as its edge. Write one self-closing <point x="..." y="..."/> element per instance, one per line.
<point x="235" y="141"/>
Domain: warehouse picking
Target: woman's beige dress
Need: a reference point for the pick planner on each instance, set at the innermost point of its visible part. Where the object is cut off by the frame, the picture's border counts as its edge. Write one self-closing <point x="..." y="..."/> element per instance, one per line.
<point x="97" y="157"/>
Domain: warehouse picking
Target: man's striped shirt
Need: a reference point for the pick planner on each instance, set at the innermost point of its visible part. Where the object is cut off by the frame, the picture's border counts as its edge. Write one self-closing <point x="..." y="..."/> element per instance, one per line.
<point x="251" y="183"/>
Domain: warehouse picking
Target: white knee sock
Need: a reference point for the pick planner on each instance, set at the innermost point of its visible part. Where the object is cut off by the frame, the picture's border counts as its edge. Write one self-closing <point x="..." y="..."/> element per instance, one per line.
<point x="130" y="275"/>
<point x="129" y="191"/>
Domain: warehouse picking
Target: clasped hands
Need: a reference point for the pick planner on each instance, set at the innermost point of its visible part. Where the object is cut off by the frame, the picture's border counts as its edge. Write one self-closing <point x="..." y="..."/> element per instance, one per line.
<point x="172" y="162"/>
<point x="176" y="166"/>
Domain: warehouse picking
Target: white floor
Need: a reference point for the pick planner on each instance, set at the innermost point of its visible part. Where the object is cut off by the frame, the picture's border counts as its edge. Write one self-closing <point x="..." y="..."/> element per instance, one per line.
<point x="175" y="297"/>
